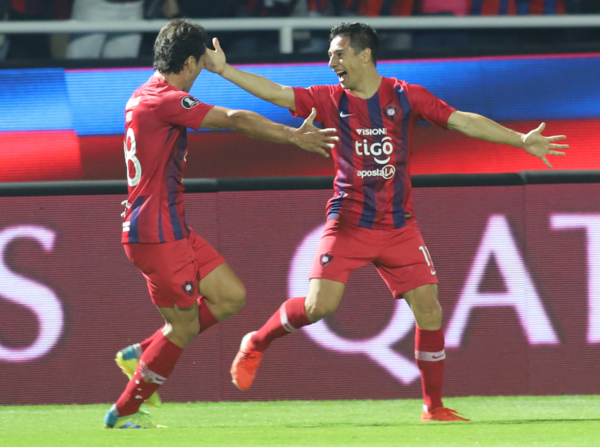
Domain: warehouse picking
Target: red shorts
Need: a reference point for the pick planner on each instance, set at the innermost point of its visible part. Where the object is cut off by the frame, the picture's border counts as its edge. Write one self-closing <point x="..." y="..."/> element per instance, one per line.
<point x="173" y="269"/>
<point x="400" y="255"/>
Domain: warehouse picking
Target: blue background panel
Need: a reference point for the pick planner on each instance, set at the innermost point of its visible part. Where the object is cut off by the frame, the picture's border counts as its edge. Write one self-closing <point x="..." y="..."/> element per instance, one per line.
<point x="98" y="98"/>
<point x="511" y="89"/>
<point x="34" y="100"/>
<point x="504" y="89"/>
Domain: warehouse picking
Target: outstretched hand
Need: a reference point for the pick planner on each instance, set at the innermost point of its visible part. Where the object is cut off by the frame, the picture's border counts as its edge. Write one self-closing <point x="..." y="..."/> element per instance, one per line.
<point x="215" y="60"/>
<point x="536" y="144"/>
<point x="312" y="139"/>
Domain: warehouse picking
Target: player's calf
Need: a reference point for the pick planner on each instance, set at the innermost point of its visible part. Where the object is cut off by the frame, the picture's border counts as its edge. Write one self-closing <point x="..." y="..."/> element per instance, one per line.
<point x="425" y="306"/>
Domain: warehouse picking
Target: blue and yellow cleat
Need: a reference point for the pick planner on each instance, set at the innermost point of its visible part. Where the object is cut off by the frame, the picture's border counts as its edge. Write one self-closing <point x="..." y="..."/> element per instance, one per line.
<point x="139" y="420"/>
<point x="127" y="360"/>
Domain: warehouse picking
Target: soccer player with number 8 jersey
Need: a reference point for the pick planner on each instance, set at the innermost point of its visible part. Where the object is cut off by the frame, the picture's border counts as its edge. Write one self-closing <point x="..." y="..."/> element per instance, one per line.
<point x="189" y="281"/>
<point x="370" y="218"/>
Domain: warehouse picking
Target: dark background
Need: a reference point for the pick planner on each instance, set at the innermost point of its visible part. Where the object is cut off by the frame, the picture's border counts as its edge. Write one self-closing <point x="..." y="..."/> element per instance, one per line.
<point x="106" y="304"/>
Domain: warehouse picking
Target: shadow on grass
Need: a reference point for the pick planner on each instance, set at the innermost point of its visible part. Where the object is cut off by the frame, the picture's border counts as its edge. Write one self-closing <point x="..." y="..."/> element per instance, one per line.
<point x="533" y="421"/>
<point x="440" y="424"/>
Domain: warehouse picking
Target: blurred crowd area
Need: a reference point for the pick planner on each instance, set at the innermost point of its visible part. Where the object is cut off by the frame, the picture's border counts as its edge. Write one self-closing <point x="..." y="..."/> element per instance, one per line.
<point x="134" y="45"/>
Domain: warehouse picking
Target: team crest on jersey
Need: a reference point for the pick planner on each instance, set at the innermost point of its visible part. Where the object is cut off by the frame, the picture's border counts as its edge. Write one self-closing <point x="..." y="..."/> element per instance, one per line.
<point x="391" y="112"/>
<point x="188" y="288"/>
<point x="326" y="259"/>
<point x="188" y="102"/>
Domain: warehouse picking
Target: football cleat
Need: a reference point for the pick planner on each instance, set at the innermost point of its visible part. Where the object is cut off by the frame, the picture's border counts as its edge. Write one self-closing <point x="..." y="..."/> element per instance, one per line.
<point x="245" y="364"/>
<point x="127" y="360"/>
<point x="442" y="414"/>
<point x="138" y="420"/>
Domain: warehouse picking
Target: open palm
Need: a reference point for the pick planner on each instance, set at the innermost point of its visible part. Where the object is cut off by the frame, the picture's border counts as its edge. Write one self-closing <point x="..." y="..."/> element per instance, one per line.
<point x="536" y="144"/>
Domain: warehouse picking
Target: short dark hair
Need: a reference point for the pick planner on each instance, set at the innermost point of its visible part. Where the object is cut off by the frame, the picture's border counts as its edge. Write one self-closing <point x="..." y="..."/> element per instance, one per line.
<point x="361" y="36"/>
<point x="176" y="41"/>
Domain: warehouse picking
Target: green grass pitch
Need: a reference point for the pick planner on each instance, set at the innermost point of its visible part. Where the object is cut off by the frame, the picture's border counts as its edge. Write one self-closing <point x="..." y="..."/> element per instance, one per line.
<point x="496" y="421"/>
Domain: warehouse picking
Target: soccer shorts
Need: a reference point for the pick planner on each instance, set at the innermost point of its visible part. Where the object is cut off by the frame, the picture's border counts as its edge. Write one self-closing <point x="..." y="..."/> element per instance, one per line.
<point x="173" y="269"/>
<point x="400" y="255"/>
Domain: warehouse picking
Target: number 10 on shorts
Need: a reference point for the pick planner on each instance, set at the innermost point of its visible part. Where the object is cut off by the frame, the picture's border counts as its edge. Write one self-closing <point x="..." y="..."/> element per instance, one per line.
<point x="428" y="259"/>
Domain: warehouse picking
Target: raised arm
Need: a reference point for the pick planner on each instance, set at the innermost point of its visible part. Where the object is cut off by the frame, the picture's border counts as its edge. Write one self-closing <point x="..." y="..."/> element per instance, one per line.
<point x="307" y="137"/>
<point x="534" y="143"/>
<point x="280" y="95"/>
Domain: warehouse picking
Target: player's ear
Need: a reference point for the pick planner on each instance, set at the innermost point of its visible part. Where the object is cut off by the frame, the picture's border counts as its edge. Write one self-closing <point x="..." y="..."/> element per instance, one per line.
<point x="365" y="55"/>
<point x="190" y="64"/>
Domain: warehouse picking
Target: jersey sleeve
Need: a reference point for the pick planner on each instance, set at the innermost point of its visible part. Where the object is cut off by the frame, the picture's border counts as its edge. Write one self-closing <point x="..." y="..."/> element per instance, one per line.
<point x="307" y="98"/>
<point x="430" y="107"/>
<point x="181" y="109"/>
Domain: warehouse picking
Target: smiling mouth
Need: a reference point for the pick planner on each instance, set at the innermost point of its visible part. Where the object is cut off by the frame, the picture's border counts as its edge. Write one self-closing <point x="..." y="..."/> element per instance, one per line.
<point x="342" y="75"/>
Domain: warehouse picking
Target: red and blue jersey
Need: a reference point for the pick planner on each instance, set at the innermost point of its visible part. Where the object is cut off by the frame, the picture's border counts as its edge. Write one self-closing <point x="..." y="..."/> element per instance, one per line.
<point x="511" y="7"/>
<point x="156" y="118"/>
<point x="372" y="186"/>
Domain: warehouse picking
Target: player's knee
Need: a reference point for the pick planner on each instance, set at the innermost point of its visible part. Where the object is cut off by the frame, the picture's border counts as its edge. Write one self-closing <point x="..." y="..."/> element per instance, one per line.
<point x="233" y="300"/>
<point x="318" y="309"/>
<point x="240" y="296"/>
<point x="429" y="317"/>
<point x="237" y="298"/>
<point x="184" y="333"/>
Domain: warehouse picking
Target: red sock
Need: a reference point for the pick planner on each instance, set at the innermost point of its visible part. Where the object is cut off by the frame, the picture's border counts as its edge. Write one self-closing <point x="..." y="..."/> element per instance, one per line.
<point x="290" y="317"/>
<point x="156" y="364"/>
<point x="207" y="319"/>
<point x="430" y="355"/>
<point x="144" y="344"/>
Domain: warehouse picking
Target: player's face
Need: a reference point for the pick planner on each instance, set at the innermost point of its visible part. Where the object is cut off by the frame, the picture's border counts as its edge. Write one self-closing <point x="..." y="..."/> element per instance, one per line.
<point x="345" y="62"/>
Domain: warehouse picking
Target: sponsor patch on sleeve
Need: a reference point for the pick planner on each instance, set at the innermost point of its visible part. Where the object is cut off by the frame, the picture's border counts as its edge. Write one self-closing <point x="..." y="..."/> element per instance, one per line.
<point x="189" y="101"/>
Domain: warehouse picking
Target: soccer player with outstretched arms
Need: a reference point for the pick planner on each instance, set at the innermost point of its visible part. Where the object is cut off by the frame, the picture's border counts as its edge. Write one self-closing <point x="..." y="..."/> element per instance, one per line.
<point x="189" y="281"/>
<point x="370" y="217"/>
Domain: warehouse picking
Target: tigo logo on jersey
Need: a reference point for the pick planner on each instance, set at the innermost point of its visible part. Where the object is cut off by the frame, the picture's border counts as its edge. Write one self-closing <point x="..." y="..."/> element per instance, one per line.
<point x="188" y="102"/>
<point x="326" y="259"/>
<point x="377" y="149"/>
<point x="387" y="172"/>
